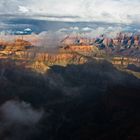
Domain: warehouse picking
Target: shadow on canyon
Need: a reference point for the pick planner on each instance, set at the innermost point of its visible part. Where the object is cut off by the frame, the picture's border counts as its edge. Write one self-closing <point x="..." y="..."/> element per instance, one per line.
<point x="92" y="101"/>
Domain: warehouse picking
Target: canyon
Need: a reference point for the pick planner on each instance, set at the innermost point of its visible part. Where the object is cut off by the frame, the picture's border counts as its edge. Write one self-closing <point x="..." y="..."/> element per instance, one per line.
<point x="75" y="92"/>
<point x="25" y="53"/>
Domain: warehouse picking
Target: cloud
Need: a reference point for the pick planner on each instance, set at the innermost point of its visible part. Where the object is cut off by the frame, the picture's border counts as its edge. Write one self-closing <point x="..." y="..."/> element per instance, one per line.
<point x="109" y="31"/>
<point x="20" y="120"/>
<point x="112" y="11"/>
<point x="20" y="112"/>
<point x="23" y="9"/>
<point x="9" y="6"/>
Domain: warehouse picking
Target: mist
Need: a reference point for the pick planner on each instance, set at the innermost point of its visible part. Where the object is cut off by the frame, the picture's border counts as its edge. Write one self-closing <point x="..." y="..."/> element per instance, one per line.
<point x="50" y="41"/>
<point x="20" y="112"/>
<point x="15" y="117"/>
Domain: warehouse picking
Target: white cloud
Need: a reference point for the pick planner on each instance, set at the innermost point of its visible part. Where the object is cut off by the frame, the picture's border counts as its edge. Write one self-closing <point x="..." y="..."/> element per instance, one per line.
<point x="94" y="32"/>
<point x="23" y="9"/>
<point x="9" y="6"/>
<point x="117" y="11"/>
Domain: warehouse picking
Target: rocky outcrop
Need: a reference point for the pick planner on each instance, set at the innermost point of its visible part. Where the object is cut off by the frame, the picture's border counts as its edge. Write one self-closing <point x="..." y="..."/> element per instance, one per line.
<point x="51" y="59"/>
<point x="71" y="54"/>
<point x="125" y="61"/>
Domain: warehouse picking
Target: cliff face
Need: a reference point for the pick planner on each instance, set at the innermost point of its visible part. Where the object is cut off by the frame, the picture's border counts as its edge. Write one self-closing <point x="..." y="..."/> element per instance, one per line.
<point x="15" y="46"/>
<point x="21" y="50"/>
<point x="41" y="62"/>
<point x="125" y="61"/>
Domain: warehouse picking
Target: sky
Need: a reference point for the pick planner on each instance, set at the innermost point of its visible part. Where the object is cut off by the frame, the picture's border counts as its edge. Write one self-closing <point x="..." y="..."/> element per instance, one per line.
<point x="103" y="11"/>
